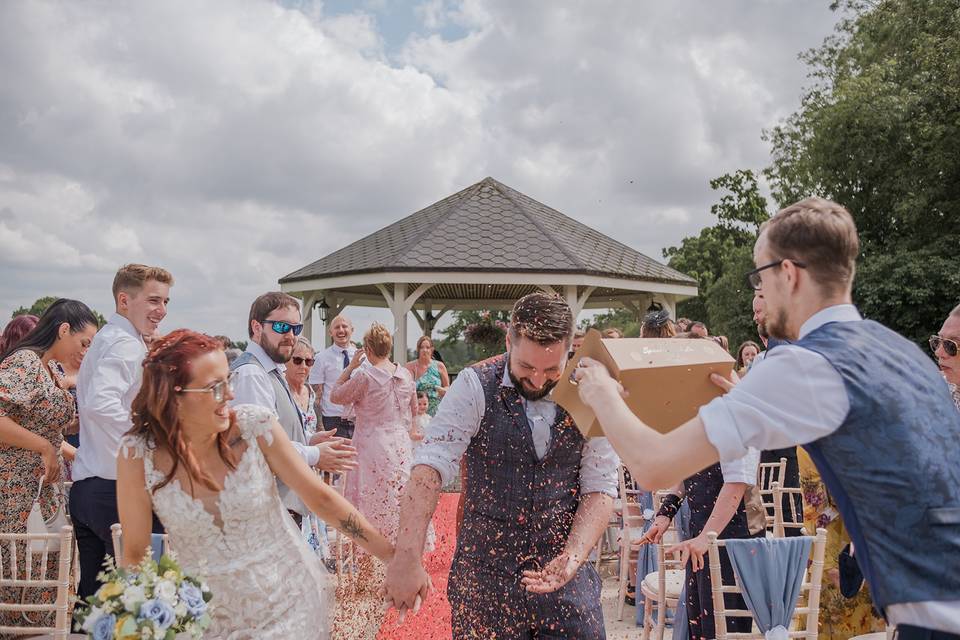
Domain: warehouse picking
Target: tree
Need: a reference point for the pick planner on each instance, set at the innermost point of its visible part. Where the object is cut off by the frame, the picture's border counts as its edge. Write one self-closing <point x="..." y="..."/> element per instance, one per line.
<point x="720" y="255"/>
<point x="878" y="132"/>
<point x="40" y="305"/>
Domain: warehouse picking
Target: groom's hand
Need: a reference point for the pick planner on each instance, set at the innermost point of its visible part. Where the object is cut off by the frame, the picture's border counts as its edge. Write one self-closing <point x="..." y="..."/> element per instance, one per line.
<point x="557" y="573"/>
<point x="406" y="583"/>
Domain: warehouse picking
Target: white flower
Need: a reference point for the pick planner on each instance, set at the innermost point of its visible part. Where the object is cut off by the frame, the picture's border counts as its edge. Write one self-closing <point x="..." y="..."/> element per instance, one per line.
<point x="180" y="609"/>
<point x="95" y="614"/>
<point x="146" y="633"/>
<point x="166" y="590"/>
<point x="133" y="596"/>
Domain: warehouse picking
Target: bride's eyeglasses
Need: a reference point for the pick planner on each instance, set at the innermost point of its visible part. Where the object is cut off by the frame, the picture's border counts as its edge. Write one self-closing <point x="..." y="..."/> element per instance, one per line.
<point x="218" y="389"/>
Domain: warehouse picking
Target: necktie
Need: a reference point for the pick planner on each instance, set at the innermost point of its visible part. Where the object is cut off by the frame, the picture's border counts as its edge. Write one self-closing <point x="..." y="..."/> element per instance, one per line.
<point x="346" y="359"/>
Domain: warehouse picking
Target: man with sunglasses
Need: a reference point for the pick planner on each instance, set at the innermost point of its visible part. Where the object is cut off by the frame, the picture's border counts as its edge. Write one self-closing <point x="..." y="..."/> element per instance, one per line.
<point x="273" y="326"/>
<point x="946" y="347"/>
<point x="868" y="406"/>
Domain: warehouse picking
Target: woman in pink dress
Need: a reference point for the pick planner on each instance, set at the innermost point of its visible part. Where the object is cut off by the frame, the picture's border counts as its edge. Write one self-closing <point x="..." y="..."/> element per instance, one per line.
<point x="383" y="395"/>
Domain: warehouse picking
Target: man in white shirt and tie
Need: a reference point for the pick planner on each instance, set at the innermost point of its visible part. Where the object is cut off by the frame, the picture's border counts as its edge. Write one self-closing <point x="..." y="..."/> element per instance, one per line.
<point x="329" y="365"/>
<point x="108" y="381"/>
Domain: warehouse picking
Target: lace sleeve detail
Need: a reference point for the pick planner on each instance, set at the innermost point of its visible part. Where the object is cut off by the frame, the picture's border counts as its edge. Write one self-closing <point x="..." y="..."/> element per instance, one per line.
<point x="133" y="447"/>
<point x="255" y="421"/>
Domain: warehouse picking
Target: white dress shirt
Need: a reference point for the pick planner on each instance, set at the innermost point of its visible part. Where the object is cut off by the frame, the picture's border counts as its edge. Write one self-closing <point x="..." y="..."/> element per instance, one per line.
<point x="107" y="383"/>
<point x="252" y="386"/>
<point x="326" y="370"/>
<point x="795" y="396"/>
<point x="458" y="420"/>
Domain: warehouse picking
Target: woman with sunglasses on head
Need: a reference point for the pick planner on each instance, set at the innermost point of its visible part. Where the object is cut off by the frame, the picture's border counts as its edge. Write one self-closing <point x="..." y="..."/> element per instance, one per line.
<point x="208" y="472"/>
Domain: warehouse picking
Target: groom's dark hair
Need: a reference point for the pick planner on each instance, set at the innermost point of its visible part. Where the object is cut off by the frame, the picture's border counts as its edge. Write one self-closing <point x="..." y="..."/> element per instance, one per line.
<point x="543" y="318"/>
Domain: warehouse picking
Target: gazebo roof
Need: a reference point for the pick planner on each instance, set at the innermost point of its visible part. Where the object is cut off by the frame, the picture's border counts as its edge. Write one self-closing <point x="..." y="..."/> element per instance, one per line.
<point x="490" y="227"/>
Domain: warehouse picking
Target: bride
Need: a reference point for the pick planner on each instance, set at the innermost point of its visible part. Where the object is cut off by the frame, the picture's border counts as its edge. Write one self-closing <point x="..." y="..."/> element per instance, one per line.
<point x="208" y="473"/>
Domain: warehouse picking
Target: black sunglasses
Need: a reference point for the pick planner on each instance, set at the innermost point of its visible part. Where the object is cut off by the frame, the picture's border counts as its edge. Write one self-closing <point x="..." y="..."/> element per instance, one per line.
<point x="950" y="347"/>
<point x="281" y="327"/>
<point x="297" y="360"/>
<point x="753" y="277"/>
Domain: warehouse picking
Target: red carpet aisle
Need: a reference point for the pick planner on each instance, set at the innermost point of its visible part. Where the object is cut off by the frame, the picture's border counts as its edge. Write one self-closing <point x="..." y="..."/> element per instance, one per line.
<point x="433" y="621"/>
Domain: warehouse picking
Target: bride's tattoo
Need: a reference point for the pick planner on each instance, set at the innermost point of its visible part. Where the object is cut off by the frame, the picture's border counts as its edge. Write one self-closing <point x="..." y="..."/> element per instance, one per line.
<point x="351" y="527"/>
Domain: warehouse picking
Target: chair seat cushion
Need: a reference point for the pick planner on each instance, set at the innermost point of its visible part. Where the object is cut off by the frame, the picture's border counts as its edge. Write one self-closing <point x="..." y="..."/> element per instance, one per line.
<point x="674" y="583"/>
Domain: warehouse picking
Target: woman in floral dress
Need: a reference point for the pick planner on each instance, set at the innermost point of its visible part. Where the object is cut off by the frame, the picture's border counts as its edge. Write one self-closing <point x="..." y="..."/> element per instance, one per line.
<point x="35" y="406"/>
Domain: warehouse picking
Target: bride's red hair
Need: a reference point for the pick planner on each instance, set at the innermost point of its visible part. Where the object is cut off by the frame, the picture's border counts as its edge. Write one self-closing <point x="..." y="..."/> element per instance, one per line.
<point x="154" y="410"/>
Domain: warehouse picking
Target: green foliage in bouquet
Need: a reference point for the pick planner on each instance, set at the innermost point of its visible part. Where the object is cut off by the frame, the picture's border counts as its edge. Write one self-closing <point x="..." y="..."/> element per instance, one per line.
<point x="152" y="601"/>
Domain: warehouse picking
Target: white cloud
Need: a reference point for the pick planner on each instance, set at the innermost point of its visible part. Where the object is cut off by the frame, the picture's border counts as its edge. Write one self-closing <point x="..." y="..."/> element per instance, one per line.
<point x="233" y="141"/>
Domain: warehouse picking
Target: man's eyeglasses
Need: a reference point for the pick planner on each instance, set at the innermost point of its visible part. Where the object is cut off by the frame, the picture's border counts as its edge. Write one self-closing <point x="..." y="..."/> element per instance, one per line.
<point x="950" y="347"/>
<point x="218" y="389"/>
<point x="297" y="360"/>
<point x="281" y="327"/>
<point x="753" y="277"/>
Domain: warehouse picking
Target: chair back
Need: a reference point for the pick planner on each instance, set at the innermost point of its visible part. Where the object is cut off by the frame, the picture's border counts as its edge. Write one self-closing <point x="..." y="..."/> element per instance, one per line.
<point x="767" y="474"/>
<point x="630" y="502"/>
<point x="19" y="576"/>
<point x="159" y="543"/>
<point x="793" y="518"/>
<point x="809" y="593"/>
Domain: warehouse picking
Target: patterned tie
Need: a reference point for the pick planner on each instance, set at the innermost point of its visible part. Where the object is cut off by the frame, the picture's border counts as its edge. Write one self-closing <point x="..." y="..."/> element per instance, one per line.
<point x="346" y="359"/>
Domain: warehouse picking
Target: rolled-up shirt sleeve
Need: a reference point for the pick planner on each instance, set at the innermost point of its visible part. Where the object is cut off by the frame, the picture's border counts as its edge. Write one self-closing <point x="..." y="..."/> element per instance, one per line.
<point x="451" y="430"/>
<point x="742" y="469"/>
<point x="599" y="465"/>
<point x="792" y="397"/>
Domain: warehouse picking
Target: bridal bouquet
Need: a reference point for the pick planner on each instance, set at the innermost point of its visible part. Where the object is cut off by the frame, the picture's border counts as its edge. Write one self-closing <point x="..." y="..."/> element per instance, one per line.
<point x="153" y="601"/>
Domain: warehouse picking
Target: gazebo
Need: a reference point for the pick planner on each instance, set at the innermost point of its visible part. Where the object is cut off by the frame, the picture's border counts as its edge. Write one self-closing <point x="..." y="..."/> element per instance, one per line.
<point x="482" y="248"/>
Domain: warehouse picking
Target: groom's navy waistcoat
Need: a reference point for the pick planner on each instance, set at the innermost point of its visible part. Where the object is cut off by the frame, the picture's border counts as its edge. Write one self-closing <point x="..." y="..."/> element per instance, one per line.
<point x="518" y="510"/>
<point x="893" y="466"/>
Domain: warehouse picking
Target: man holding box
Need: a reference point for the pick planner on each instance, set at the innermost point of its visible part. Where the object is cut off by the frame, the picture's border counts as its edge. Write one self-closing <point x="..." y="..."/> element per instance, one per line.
<point x="858" y="396"/>
<point x="537" y="493"/>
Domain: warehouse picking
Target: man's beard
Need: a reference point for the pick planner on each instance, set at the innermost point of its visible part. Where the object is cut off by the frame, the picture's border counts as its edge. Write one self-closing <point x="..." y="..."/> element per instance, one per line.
<point x="776" y="324"/>
<point x="275" y="355"/>
<point x="539" y="394"/>
<point x="762" y="330"/>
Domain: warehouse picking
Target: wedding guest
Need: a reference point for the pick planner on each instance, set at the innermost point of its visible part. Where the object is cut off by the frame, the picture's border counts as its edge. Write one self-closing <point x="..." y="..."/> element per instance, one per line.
<point x="578" y="337"/>
<point x="15" y="330"/>
<point x="612" y="333"/>
<point x="536" y="500"/>
<point x="845" y="403"/>
<point x="35" y="406"/>
<point x="431" y="375"/>
<point x="208" y="471"/>
<point x="683" y="325"/>
<point x="108" y="381"/>
<point x="328" y="366"/>
<point x="421" y="420"/>
<point x="657" y="324"/>
<point x="273" y="326"/>
<point x="722" y="341"/>
<point x="296" y="374"/>
<point x="946" y="347"/>
<point x="746" y="352"/>
<point x="383" y="395"/>
<point x="699" y="329"/>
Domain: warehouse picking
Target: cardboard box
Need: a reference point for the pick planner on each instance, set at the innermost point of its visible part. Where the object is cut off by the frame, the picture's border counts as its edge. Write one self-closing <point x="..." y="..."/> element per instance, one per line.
<point x="668" y="378"/>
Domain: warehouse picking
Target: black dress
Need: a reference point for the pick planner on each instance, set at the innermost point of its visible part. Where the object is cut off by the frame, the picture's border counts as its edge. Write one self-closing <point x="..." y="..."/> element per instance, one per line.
<point x="701" y="492"/>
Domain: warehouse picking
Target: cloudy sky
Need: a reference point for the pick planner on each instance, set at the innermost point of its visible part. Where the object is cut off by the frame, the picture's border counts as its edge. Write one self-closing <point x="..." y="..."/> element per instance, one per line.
<point x="233" y="141"/>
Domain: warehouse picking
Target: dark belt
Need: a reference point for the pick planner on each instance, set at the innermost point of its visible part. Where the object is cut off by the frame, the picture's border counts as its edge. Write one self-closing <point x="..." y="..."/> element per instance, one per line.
<point x="910" y="632"/>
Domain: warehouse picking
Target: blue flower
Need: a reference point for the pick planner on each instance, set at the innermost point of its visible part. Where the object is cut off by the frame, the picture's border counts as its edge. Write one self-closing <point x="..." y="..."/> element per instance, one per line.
<point x="158" y="612"/>
<point x="103" y="627"/>
<point x="192" y="597"/>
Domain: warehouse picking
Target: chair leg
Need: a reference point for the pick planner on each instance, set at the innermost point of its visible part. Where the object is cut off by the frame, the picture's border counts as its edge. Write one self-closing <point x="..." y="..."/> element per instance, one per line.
<point x="661" y="617"/>
<point x="647" y="617"/>
<point x="622" y="591"/>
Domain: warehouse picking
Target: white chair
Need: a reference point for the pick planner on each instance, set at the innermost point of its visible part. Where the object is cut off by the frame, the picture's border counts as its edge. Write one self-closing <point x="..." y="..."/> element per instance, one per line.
<point x="767" y="474"/>
<point x="116" y="534"/>
<point x="792" y="520"/>
<point x="661" y="589"/>
<point x="16" y="578"/>
<point x="809" y="598"/>
<point x="631" y="530"/>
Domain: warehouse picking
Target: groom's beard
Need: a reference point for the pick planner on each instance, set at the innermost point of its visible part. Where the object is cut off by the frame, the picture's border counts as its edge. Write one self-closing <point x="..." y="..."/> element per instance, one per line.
<point x="524" y="389"/>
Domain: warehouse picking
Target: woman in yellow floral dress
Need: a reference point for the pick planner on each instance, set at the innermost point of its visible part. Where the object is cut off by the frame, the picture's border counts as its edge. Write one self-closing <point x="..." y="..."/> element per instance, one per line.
<point x="35" y="406"/>
<point x="840" y="617"/>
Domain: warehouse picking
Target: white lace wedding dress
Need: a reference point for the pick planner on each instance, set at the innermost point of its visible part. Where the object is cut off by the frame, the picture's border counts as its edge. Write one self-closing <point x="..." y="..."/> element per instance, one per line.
<point x="266" y="582"/>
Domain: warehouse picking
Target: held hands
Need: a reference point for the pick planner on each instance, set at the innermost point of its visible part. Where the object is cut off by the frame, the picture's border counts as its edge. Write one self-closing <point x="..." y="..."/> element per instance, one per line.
<point x="406" y="587"/>
<point x="655" y="533"/>
<point x="557" y="573"/>
<point x="336" y="455"/>
<point x="693" y="550"/>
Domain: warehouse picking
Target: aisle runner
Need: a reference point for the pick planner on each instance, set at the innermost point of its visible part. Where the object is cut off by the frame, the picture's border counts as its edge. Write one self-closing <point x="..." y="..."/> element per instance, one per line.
<point x="433" y="621"/>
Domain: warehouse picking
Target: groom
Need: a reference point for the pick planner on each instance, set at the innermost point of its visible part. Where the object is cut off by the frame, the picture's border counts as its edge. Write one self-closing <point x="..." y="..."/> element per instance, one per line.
<point x="537" y="494"/>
